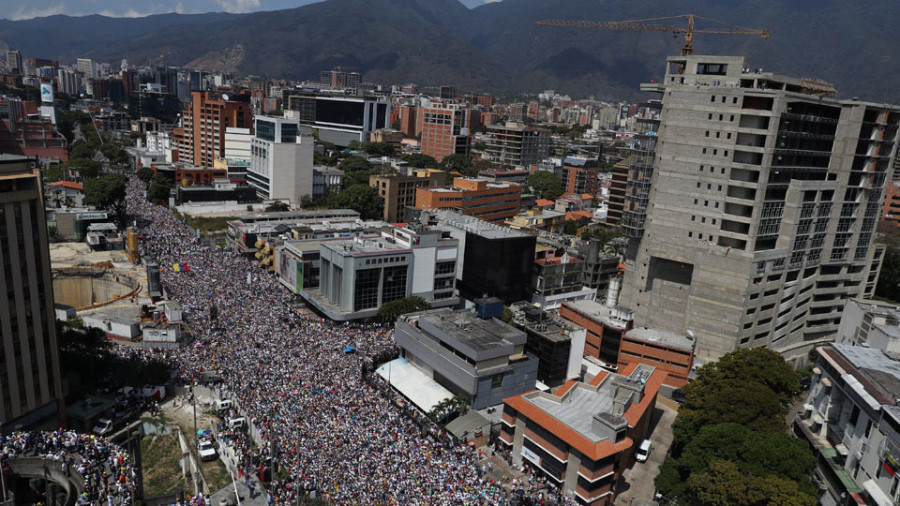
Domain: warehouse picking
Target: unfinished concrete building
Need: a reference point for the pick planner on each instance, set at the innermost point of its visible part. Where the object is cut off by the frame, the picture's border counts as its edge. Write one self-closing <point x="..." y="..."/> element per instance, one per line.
<point x="765" y="195"/>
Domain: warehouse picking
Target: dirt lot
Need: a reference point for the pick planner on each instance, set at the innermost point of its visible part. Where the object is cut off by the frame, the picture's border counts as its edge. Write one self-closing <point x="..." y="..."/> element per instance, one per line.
<point x="182" y="415"/>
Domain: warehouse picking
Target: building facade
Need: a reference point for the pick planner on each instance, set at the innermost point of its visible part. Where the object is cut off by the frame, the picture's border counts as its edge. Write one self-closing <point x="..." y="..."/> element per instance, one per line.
<point x="580" y="180"/>
<point x="205" y="121"/>
<point x="765" y="196"/>
<point x="444" y="130"/>
<point x="281" y="160"/>
<point x="668" y="351"/>
<point x="606" y="327"/>
<point x="493" y="202"/>
<point x="483" y="360"/>
<point x="339" y="119"/>
<point x="399" y="192"/>
<point x="514" y="144"/>
<point x="30" y="378"/>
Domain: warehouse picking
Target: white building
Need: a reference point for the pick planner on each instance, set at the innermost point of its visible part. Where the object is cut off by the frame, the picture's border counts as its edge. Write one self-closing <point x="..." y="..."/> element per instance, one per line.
<point x="281" y="160"/>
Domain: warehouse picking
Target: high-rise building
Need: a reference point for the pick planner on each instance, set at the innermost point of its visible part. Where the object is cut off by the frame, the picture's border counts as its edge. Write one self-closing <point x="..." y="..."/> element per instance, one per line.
<point x="205" y="121"/>
<point x="762" y="212"/>
<point x="281" y="160"/>
<point x="640" y="169"/>
<point x="68" y="82"/>
<point x="339" y="119"/>
<point x="87" y="67"/>
<point x="514" y="144"/>
<point x="581" y="180"/>
<point x="14" y="61"/>
<point x="447" y="92"/>
<point x="444" y="130"/>
<point x="617" y="188"/>
<point x="30" y="381"/>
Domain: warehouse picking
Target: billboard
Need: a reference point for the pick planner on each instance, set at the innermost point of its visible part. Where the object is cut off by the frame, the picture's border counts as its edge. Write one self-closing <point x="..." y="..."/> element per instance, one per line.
<point x="290" y="271"/>
<point x="47" y="93"/>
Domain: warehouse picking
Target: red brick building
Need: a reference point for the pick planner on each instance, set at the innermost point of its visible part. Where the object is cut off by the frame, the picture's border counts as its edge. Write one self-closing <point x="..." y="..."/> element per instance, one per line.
<point x="583" y="436"/>
<point x="581" y="180"/>
<point x="668" y="351"/>
<point x="444" y="130"/>
<point x="890" y="210"/>
<point x="606" y="327"/>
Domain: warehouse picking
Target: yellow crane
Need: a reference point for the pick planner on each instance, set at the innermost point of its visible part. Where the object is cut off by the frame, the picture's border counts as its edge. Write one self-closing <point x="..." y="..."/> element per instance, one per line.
<point x="651" y="25"/>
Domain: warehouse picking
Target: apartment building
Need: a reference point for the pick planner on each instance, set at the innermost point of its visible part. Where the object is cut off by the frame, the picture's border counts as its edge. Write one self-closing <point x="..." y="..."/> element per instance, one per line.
<point x="204" y="123"/>
<point x="765" y="195"/>
<point x="399" y="192"/>
<point x="281" y="160"/>
<point x="514" y="144"/>
<point x="580" y="180"/>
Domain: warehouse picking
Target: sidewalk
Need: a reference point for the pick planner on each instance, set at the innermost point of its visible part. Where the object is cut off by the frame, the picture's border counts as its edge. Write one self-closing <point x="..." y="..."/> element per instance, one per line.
<point x="258" y="499"/>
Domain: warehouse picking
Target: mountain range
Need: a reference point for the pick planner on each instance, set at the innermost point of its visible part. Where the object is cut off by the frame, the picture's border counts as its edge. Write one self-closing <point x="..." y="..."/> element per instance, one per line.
<point x="494" y="47"/>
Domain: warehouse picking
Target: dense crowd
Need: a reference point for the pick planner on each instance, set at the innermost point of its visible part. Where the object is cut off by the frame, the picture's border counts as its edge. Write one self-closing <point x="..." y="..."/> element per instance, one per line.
<point x="326" y="427"/>
<point x="106" y="469"/>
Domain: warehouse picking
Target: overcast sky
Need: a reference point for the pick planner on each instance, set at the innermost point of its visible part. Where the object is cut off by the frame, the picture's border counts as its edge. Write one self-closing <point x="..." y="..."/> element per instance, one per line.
<point x="27" y="9"/>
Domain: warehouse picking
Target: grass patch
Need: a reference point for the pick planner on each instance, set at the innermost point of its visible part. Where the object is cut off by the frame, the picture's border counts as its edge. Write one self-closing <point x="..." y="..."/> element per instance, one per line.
<point x="205" y="224"/>
<point x="162" y="474"/>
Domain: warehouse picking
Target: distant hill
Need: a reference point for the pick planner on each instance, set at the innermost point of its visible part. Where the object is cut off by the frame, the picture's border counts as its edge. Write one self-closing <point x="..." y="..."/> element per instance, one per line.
<point x="494" y="47"/>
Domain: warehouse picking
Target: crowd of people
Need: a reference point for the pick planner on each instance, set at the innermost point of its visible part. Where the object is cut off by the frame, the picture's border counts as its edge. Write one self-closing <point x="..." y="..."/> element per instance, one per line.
<point x="107" y="471"/>
<point x="329" y="430"/>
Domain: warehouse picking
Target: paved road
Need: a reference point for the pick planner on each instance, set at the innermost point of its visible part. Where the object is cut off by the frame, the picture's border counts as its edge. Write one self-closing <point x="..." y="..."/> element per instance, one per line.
<point x="637" y="486"/>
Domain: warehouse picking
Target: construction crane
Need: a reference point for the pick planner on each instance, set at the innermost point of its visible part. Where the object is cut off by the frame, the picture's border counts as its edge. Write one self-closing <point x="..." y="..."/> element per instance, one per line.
<point x="650" y="25"/>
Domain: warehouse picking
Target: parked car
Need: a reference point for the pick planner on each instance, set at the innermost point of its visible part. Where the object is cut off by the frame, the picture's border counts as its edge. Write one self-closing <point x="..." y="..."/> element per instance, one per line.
<point x="206" y="450"/>
<point x="223" y="405"/>
<point x="678" y="395"/>
<point x="643" y="451"/>
<point x="238" y="423"/>
<point x="104" y="427"/>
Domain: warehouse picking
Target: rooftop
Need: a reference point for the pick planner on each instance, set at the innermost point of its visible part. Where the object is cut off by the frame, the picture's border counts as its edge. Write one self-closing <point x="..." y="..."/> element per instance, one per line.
<point x="473" y="225"/>
<point x="663" y="337"/>
<point x="578" y="406"/>
<point x="477" y="334"/>
<point x="616" y="317"/>
<point x="880" y="373"/>
<point x="364" y="246"/>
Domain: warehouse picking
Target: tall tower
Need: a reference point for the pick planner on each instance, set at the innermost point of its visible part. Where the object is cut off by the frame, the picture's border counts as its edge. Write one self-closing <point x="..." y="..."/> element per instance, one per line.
<point x="14" y="61"/>
<point x="30" y="382"/>
<point x="763" y="203"/>
<point x="205" y="121"/>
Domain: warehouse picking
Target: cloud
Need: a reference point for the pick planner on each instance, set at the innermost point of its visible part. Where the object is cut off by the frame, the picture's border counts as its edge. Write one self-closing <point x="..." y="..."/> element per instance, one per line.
<point x="130" y="13"/>
<point x="36" y="12"/>
<point x="238" y="5"/>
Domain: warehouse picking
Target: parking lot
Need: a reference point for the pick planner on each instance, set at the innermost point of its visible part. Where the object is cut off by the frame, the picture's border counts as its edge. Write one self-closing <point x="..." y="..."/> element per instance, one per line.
<point x="636" y="485"/>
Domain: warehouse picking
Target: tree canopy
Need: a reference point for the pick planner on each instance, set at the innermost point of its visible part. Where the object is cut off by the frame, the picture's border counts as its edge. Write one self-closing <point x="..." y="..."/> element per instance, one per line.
<point x="362" y="198"/>
<point x="389" y="311"/>
<point x="421" y="161"/>
<point x="378" y="148"/>
<point x="723" y="483"/>
<point x="108" y="192"/>
<point x="145" y="174"/>
<point x="277" y="206"/>
<point x="459" y="163"/>
<point x="545" y="185"/>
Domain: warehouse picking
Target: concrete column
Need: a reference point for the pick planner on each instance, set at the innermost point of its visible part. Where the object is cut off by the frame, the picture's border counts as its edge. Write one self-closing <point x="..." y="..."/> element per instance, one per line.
<point x="518" y="439"/>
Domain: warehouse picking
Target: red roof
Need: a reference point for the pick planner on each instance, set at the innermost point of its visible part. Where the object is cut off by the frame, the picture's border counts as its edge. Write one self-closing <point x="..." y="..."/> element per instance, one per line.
<point x="544" y="203"/>
<point x="68" y="184"/>
<point x="577" y="215"/>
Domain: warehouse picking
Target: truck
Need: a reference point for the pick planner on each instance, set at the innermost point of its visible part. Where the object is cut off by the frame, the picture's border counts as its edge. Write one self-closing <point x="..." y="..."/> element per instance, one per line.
<point x="206" y="450"/>
<point x="104" y="427"/>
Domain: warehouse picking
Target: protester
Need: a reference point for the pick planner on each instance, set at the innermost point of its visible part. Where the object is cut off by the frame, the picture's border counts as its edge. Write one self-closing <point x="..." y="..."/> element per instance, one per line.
<point x="328" y="431"/>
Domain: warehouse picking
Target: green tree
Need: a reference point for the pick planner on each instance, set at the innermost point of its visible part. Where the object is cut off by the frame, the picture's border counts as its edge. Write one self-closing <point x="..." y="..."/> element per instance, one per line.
<point x="355" y="163"/>
<point x="378" y="148"/>
<point x="108" y="192"/>
<point x="389" y="311"/>
<point x="68" y="121"/>
<point x="446" y="407"/>
<point x="89" y="169"/>
<point x="158" y="193"/>
<point x="570" y="227"/>
<point x="459" y="163"/>
<point x="888" y="285"/>
<point x="725" y="484"/>
<point x="545" y="185"/>
<point x="421" y="161"/>
<point x="80" y="149"/>
<point x="145" y="174"/>
<point x="361" y="198"/>
<point x="277" y="206"/>
<point x="56" y="172"/>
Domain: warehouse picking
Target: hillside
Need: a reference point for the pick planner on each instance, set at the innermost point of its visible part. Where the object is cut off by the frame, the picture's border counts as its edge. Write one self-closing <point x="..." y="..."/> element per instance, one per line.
<point x="492" y="47"/>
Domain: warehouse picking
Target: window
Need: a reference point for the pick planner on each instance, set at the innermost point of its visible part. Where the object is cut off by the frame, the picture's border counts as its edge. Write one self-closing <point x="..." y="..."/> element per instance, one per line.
<point x="497" y="380"/>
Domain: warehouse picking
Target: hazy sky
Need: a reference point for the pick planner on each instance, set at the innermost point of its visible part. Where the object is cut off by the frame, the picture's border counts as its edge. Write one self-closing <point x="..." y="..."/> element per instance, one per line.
<point x="27" y="9"/>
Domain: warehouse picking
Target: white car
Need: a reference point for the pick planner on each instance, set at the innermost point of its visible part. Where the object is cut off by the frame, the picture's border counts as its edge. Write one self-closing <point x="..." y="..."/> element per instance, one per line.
<point x="206" y="450"/>
<point x="104" y="426"/>
<point x="643" y="451"/>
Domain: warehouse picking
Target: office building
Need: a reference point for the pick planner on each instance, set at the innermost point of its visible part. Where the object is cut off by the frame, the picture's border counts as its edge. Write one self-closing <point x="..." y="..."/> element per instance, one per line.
<point x="870" y="323"/>
<point x="557" y="344"/>
<point x="281" y="160"/>
<point x="581" y="180"/>
<point x="606" y="325"/>
<point x="494" y="202"/>
<point x="852" y="421"/>
<point x="338" y="78"/>
<point x="519" y="177"/>
<point x="339" y="119"/>
<point x="24" y="133"/>
<point x="495" y="261"/>
<point x="359" y="275"/>
<point x="205" y="122"/>
<point x="599" y="265"/>
<point x="483" y="360"/>
<point x="640" y="169"/>
<point x="668" y="351"/>
<point x="584" y="435"/>
<point x="444" y="129"/>
<point x="516" y="145"/>
<point x="537" y="220"/>
<point x="761" y="219"/>
<point x="14" y="62"/>
<point x="558" y="278"/>
<point x="30" y="381"/>
<point x="399" y="192"/>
